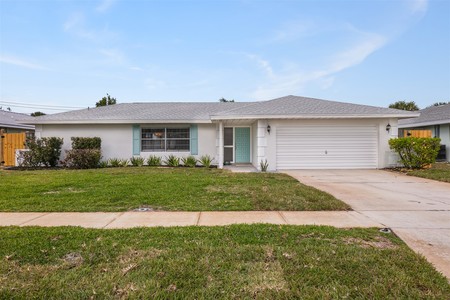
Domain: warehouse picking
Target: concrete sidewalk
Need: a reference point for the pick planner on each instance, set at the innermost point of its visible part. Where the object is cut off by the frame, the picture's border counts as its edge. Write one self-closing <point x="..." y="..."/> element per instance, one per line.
<point x="344" y="219"/>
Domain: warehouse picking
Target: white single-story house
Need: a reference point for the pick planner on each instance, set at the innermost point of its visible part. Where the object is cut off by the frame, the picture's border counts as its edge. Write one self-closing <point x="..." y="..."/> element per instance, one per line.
<point x="290" y="132"/>
<point x="434" y="118"/>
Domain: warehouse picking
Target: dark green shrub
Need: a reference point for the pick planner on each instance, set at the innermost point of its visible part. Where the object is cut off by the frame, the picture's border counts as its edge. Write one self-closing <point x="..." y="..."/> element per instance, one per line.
<point x="85" y="153"/>
<point x="82" y="158"/>
<point x="415" y="153"/>
<point x="154" y="161"/>
<point x="189" y="161"/>
<point x="137" y="161"/>
<point x="44" y="151"/>
<point x="86" y="143"/>
<point x="103" y="164"/>
<point x="172" y="161"/>
<point x="206" y="161"/>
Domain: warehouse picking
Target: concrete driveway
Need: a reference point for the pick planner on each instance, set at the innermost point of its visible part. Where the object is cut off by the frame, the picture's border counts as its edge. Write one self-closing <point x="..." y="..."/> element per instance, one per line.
<point x="418" y="210"/>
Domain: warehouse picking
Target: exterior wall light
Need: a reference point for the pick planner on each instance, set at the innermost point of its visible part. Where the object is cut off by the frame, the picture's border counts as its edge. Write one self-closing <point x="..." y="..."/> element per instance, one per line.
<point x="268" y="129"/>
<point x="388" y="127"/>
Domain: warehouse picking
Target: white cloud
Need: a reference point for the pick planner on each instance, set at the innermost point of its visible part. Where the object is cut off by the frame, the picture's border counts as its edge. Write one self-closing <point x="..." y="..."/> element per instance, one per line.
<point x="75" y="24"/>
<point x="292" y="31"/>
<point x="105" y="5"/>
<point x="293" y="81"/>
<point x="20" y="62"/>
<point x="114" y="55"/>
<point x="418" y="6"/>
<point x="262" y="63"/>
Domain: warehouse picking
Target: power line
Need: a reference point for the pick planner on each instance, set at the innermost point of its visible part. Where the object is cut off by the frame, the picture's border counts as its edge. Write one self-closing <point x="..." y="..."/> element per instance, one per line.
<point x="38" y="105"/>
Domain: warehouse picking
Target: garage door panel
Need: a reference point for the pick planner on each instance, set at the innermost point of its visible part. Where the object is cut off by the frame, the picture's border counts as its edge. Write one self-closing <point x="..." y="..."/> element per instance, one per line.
<point x="329" y="147"/>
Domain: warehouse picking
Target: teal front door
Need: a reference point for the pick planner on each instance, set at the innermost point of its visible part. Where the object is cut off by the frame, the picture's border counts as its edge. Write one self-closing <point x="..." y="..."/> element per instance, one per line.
<point x="242" y="144"/>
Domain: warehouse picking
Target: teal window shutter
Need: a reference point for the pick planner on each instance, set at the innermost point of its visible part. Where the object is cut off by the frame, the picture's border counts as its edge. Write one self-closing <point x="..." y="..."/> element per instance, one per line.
<point x="136" y="140"/>
<point x="194" y="139"/>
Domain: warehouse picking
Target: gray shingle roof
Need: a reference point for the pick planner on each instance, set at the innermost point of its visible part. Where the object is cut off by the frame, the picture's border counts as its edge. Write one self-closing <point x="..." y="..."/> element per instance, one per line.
<point x="13" y="120"/>
<point x="311" y="107"/>
<point x="290" y="106"/>
<point x="429" y="116"/>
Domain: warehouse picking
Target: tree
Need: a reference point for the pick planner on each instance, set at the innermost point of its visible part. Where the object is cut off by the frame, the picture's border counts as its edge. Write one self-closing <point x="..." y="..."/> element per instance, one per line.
<point x="439" y="104"/>
<point x="37" y="114"/>
<point x="108" y="100"/>
<point x="403" y="105"/>
<point x="225" y="100"/>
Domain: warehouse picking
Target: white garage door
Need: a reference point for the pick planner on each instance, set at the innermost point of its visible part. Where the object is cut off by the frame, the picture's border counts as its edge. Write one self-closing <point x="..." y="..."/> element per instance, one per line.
<point x="327" y="147"/>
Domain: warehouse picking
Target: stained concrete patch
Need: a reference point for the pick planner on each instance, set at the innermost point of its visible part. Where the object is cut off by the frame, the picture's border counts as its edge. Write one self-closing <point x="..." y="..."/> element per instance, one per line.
<point x="87" y="220"/>
<point x="214" y="218"/>
<point x="154" y="219"/>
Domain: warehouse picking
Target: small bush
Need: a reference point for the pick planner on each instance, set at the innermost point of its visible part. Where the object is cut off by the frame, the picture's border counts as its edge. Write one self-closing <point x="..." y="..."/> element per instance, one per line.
<point x="264" y="165"/>
<point x="86" y="143"/>
<point x="172" y="161"/>
<point x="82" y="158"/>
<point x="117" y="162"/>
<point x="137" y="161"/>
<point x="44" y="151"/>
<point x="154" y="161"/>
<point x="189" y="161"/>
<point x="103" y="164"/>
<point x="206" y="161"/>
<point x="416" y="153"/>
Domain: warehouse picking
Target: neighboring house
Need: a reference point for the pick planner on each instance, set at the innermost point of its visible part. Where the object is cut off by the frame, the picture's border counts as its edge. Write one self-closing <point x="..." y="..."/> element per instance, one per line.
<point x="434" y="118"/>
<point x="10" y="122"/>
<point x="289" y="132"/>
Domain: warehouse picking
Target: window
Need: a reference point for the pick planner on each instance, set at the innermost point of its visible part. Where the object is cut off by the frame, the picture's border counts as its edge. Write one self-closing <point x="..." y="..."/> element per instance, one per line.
<point x="437" y="131"/>
<point x="165" y="139"/>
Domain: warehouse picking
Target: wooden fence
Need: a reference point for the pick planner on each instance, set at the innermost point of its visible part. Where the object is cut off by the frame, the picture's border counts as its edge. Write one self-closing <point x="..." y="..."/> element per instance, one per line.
<point x="417" y="133"/>
<point x="9" y="143"/>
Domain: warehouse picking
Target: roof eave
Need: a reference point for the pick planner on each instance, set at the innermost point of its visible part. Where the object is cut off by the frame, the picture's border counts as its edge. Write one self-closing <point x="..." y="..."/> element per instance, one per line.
<point x="421" y="124"/>
<point x="17" y="126"/>
<point x="346" y="116"/>
<point x="70" y="122"/>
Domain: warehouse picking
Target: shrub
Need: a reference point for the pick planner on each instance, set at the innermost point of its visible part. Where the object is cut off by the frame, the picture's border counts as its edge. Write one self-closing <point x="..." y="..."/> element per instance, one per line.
<point x="86" y="143"/>
<point x="117" y="162"/>
<point x="189" y="161"/>
<point x="137" y="161"/>
<point x="82" y="158"/>
<point x="154" y="161"/>
<point x="103" y="164"/>
<point x="85" y="153"/>
<point x="172" y="161"/>
<point x="206" y="161"/>
<point x="44" y="151"/>
<point x="264" y="165"/>
<point x="416" y="153"/>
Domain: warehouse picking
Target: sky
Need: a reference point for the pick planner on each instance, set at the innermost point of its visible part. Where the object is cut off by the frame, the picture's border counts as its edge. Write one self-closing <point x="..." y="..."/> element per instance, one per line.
<point x="63" y="55"/>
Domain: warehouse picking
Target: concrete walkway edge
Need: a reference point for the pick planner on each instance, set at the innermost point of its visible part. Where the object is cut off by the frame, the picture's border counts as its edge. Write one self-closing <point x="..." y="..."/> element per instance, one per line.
<point x="109" y="220"/>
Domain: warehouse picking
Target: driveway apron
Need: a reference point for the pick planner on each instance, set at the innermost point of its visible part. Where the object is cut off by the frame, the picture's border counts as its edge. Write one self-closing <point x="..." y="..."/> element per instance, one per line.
<point x="417" y="209"/>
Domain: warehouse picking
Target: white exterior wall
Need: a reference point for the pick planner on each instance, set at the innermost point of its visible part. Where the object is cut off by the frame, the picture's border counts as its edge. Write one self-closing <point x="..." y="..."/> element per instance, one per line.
<point x="384" y="153"/>
<point x="117" y="139"/>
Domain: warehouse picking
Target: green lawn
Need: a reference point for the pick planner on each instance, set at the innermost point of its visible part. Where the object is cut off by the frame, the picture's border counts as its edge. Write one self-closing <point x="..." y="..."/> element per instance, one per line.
<point x="184" y="189"/>
<point x="438" y="171"/>
<point x="234" y="262"/>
